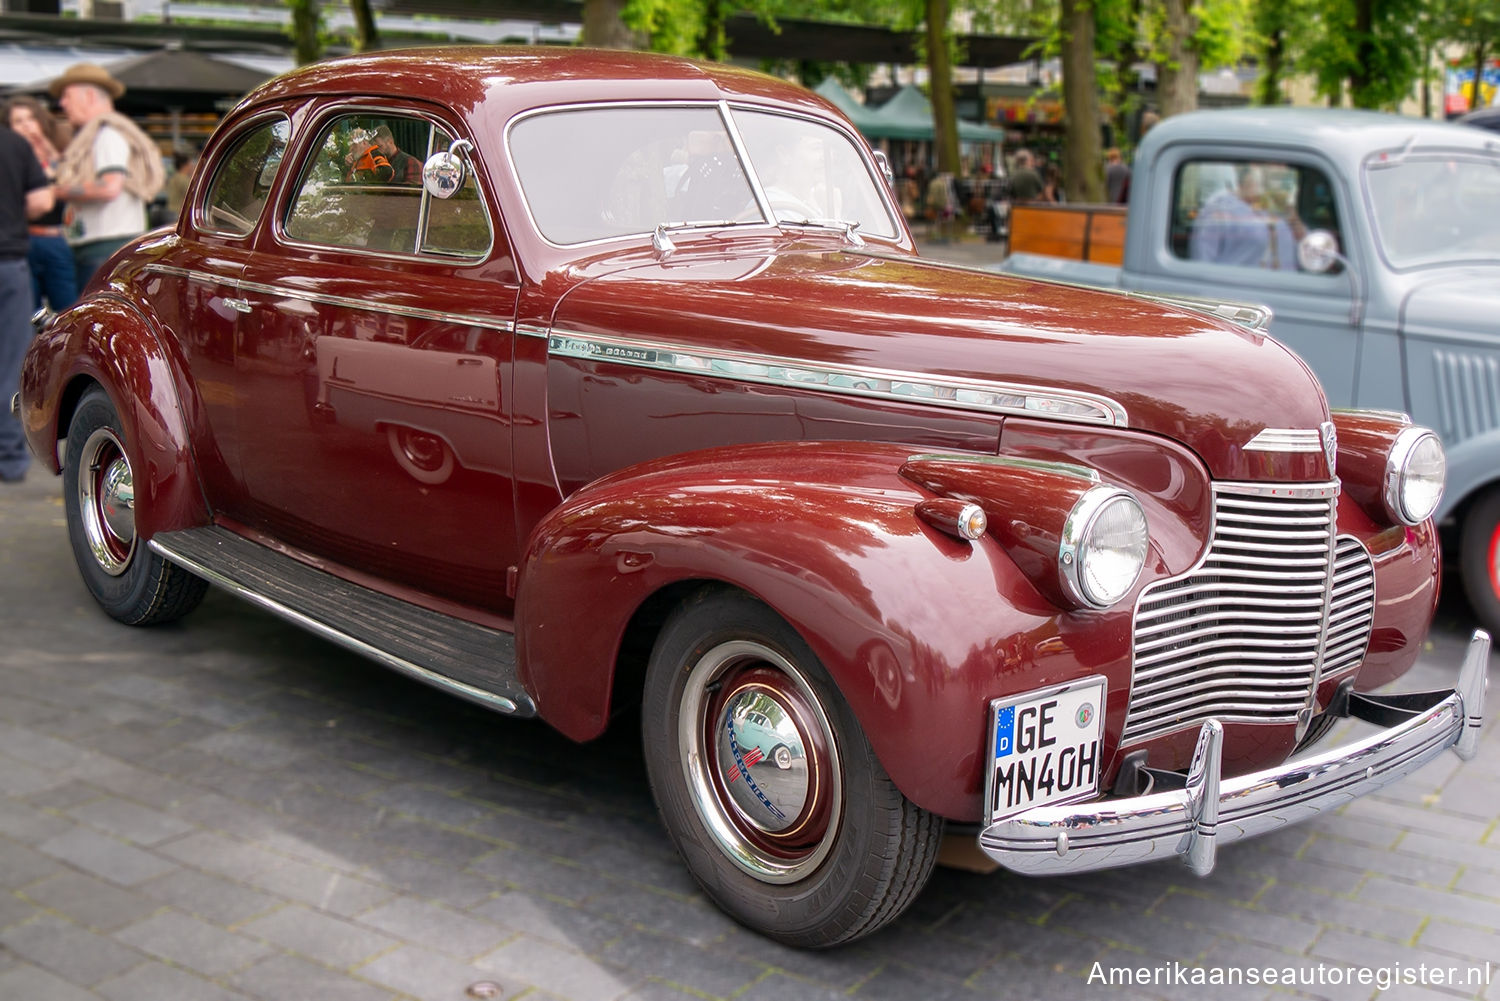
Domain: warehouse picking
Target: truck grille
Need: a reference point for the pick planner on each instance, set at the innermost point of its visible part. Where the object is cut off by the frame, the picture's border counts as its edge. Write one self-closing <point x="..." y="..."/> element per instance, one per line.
<point x="1241" y="636"/>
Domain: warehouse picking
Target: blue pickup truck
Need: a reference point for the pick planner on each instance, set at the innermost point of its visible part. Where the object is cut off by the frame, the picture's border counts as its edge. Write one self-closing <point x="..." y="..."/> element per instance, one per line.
<point x="1375" y="241"/>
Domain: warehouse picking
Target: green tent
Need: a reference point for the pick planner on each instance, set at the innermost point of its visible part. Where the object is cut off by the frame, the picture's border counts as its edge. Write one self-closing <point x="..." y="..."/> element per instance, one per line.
<point x="833" y="92"/>
<point x="908" y="115"/>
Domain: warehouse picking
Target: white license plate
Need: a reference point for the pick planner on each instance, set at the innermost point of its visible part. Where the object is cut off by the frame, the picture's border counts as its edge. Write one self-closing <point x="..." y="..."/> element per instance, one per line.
<point x="1045" y="747"/>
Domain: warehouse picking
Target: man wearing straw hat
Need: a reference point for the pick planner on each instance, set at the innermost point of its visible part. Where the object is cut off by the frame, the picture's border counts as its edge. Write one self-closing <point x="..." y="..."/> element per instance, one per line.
<point x="110" y="170"/>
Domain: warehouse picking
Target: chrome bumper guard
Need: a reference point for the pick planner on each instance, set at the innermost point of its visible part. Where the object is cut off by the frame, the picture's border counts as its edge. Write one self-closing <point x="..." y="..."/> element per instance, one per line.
<point x="1209" y="811"/>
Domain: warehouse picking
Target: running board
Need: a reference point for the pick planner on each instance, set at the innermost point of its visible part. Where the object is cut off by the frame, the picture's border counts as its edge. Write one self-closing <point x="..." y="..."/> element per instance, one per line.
<point x="468" y="660"/>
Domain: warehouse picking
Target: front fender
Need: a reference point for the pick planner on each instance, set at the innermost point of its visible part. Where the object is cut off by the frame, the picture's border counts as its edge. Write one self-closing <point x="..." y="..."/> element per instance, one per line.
<point x="917" y="629"/>
<point x="108" y="341"/>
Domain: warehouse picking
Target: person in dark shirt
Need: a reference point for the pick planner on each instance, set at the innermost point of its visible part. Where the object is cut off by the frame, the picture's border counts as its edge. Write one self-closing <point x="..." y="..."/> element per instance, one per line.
<point x="406" y="168"/>
<point x="1025" y="182"/>
<point x="25" y="194"/>
<point x="54" y="279"/>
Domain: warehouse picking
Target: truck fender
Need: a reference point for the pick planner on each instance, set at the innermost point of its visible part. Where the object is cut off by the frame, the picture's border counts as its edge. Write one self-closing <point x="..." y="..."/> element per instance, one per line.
<point x="107" y="340"/>
<point x="917" y="629"/>
<point x="1471" y="468"/>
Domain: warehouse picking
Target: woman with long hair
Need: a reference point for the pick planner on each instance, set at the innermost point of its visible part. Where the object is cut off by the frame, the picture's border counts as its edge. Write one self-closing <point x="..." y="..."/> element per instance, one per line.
<point x="52" y="272"/>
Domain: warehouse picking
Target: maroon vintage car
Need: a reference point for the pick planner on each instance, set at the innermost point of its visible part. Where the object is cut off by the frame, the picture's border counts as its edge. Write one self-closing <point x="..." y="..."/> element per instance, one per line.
<point x="643" y="396"/>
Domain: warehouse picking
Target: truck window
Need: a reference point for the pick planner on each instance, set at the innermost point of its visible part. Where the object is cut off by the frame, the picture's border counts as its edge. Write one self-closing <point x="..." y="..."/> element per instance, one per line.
<point x="1248" y="213"/>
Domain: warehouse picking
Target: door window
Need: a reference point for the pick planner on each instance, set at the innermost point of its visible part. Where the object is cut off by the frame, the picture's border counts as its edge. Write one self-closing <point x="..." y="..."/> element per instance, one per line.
<point x="1249" y="213"/>
<point x="238" y="191"/>
<point x="362" y="189"/>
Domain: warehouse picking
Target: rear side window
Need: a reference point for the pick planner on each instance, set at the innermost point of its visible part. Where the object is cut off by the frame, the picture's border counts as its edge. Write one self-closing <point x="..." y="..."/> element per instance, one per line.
<point x="243" y="178"/>
<point x="1249" y="213"/>
<point x="362" y="189"/>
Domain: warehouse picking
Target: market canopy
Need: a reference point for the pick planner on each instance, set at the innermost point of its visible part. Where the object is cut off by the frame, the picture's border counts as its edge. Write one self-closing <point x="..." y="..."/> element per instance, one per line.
<point x="175" y="79"/>
<point x="908" y="115"/>
<point x="834" y="93"/>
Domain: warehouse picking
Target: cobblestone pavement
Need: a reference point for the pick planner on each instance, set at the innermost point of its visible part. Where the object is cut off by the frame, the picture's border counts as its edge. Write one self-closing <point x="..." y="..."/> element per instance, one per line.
<point x="228" y="808"/>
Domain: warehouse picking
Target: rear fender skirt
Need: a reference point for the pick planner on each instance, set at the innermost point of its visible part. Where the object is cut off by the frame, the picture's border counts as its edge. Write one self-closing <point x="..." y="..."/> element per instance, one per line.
<point x="918" y="629"/>
<point x="108" y="341"/>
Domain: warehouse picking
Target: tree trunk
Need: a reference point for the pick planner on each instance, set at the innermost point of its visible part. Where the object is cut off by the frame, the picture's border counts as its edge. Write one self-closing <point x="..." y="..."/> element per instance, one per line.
<point x="1359" y="74"/>
<point x="940" y="72"/>
<point x="713" y="43"/>
<point x="1478" y="74"/>
<point x="604" y="27"/>
<point x="366" y="35"/>
<point x="307" y="25"/>
<point x="1177" y="75"/>
<point x="1268" y="87"/>
<point x="1083" y="155"/>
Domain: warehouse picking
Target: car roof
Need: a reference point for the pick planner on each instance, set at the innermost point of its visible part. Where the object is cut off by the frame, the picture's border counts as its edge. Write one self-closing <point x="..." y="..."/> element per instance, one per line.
<point x="1484" y="118"/>
<point x="1343" y="134"/>
<point x="506" y="79"/>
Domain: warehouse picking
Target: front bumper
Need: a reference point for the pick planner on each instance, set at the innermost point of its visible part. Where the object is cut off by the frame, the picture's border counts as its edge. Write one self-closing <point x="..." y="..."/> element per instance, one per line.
<point x="1209" y="811"/>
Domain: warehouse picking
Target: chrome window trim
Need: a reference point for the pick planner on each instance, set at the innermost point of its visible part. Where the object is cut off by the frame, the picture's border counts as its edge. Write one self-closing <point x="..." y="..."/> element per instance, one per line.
<point x="323" y="298"/>
<point x="316" y="128"/>
<point x="723" y="106"/>
<point x="794" y="374"/>
<point x="1085" y="473"/>
<point x="196" y="216"/>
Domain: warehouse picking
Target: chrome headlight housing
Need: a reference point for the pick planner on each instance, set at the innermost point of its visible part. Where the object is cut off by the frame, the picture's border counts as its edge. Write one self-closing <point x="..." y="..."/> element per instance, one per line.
<point x="1103" y="547"/>
<point x="1415" y="470"/>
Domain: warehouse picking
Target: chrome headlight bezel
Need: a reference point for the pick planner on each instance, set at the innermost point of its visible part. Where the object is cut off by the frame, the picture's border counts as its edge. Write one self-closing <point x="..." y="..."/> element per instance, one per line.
<point x="1076" y="546"/>
<point x="1412" y="444"/>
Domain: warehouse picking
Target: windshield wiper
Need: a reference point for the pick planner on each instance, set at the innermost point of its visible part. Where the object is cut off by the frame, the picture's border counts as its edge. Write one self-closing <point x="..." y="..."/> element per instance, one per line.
<point x="662" y="243"/>
<point x="842" y="226"/>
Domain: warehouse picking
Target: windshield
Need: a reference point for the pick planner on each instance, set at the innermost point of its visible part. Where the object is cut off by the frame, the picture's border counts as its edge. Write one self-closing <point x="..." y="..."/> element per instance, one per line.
<point x="1436" y="210"/>
<point x="595" y="173"/>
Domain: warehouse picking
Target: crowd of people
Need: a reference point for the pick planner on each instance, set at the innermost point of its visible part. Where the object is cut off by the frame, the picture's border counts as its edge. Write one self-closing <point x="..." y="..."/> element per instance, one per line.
<point x="72" y="192"/>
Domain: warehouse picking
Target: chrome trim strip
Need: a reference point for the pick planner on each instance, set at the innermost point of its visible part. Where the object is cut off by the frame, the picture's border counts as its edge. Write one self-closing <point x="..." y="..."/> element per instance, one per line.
<point x="532" y="330"/>
<point x="1085" y="473"/>
<point x="991" y="397"/>
<point x="346" y="302"/>
<point x="1301" y="491"/>
<point x="1286" y="440"/>
<point x="498" y="702"/>
<point x="762" y="200"/>
<point x="1110" y="833"/>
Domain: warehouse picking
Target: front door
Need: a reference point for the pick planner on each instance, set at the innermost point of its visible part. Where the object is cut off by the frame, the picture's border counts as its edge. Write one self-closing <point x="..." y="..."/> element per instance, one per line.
<point x="373" y="370"/>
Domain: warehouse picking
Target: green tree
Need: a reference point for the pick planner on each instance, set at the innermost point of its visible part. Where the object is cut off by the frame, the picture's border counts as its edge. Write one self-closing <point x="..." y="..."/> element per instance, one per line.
<point x="366" y="35"/>
<point x="306" y="31"/>
<point x="1368" y="46"/>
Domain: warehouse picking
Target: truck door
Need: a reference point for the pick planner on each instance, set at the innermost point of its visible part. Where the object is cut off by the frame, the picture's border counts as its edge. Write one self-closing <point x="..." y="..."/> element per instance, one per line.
<point x="1227" y="227"/>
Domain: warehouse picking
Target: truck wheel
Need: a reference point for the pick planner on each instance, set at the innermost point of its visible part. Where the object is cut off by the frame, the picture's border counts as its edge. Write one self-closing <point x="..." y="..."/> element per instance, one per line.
<point x="127" y="579"/>
<point x="816" y="855"/>
<point x="1479" y="559"/>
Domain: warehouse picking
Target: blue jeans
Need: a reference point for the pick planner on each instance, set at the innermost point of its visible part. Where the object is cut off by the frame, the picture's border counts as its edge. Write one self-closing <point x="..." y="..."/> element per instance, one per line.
<point x="88" y="256"/>
<point x="15" y="338"/>
<point x="54" y="277"/>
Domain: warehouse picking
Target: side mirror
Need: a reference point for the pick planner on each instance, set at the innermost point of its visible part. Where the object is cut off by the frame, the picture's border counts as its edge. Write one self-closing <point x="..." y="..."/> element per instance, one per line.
<point x="884" y="163"/>
<point x="1318" y="251"/>
<point x="445" y="172"/>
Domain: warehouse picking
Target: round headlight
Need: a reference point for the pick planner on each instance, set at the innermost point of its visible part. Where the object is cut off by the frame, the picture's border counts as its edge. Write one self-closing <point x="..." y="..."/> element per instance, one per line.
<point x="1414" y="474"/>
<point x="1103" y="546"/>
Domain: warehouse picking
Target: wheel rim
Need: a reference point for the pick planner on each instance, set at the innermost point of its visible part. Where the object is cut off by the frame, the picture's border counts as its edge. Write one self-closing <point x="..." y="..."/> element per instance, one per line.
<point x="777" y="825"/>
<point x="106" y="501"/>
<point x="1494" y="563"/>
<point x="424" y="450"/>
<point x="783" y="758"/>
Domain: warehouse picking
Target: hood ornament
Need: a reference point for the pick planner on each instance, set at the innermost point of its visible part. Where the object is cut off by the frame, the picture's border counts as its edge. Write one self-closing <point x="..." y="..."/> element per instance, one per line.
<point x="1330" y="437"/>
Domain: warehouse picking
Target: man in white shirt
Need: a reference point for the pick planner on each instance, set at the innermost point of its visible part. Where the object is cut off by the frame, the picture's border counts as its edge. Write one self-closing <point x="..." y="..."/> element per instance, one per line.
<point x="109" y="171"/>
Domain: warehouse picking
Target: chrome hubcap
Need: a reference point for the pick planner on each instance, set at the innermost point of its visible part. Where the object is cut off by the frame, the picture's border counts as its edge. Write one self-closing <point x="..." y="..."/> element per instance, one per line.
<point x="761" y="761"/>
<point x="106" y="501"/>
<point x="424" y="450"/>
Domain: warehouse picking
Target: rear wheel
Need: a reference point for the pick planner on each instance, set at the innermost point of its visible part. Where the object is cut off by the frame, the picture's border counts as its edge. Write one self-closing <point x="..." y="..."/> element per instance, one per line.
<point x="815" y="853"/>
<point x="1479" y="559"/>
<point x="128" y="581"/>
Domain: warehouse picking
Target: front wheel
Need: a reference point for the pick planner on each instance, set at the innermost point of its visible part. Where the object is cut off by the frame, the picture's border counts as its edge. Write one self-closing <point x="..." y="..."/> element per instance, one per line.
<point x="127" y="579"/>
<point x="1479" y="559"/>
<point x="814" y="854"/>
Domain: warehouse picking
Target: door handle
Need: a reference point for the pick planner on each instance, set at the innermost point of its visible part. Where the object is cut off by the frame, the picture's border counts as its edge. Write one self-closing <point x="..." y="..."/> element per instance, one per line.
<point x="238" y="305"/>
<point x="471" y="361"/>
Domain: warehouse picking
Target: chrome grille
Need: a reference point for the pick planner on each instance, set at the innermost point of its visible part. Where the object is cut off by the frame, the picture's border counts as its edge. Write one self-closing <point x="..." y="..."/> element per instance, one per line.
<point x="1240" y="636"/>
<point x="1351" y="610"/>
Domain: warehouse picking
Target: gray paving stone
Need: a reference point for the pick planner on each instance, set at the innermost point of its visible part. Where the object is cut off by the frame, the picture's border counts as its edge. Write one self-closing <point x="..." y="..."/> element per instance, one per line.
<point x="1466" y="853"/>
<point x="1458" y="906"/>
<point x="275" y="873"/>
<point x="516" y="830"/>
<point x="558" y="922"/>
<point x="17" y="778"/>
<point x="1139" y="931"/>
<point x="196" y="945"/>
<point x="20" y="865"/>
<point x="1402" y="817"/>
<point x="1406" y="867"/>
<point x="1467" y="942"/>
<point x="158" y="982"/>
<point x="1276" y="930"/>
<point x="1480" y="883"/>
<point x="149" y="787"/>
<point x="1357" y="915"/>
<point x="152" y="691"/>
<point x="105" y="856"/>
<point x="706" y="971"/>
<point x="65" y="795"/>
<point x="780" y="986"/>
<point x="14" y="909"/>
<point x="429" y="976"/>
<point x="36" y="748"/>
<point x="1357" y="950"/>
<point x="432" y="880"/>
<point x="25" y="982"/>
<point x="663" y="992"/>
<point x="90" y="902"/>
<point x="284" y="978"/>
<point x="215" y="900"/>
<point x="895" y="982"/>
<point x="131" y="821"/>
<point x="436" y="927"/>
<point x="429" y="841"/>
<point x="69" y="951"/>
<point x="525" y="871"/>
<point x="693" y="920"/>
<point x="560" y="971"/>
<point x="250" y="749"/>
<point x="1011" y="978"/>
<point x="431" y="805"/>
<point x="21" y="822"/>
<point x="337" y="942"/>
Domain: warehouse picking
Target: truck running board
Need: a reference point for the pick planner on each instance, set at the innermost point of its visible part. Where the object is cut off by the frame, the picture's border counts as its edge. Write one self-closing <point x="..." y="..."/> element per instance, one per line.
<point x="468" y="660"/>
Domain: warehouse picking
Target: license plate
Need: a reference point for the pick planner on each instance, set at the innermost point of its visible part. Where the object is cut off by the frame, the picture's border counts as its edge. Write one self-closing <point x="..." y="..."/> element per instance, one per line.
<point x="1045" y="747"/>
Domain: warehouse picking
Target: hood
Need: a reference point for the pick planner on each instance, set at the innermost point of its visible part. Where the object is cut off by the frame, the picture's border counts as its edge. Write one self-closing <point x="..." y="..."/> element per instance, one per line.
<point x="1173" y="372"/>
<point x="1453" y="301"/>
